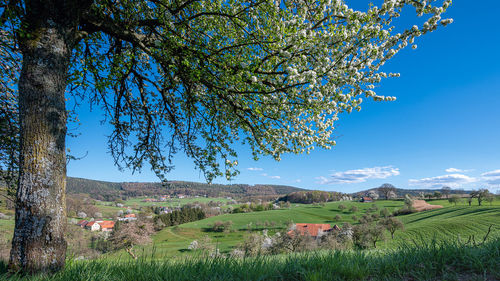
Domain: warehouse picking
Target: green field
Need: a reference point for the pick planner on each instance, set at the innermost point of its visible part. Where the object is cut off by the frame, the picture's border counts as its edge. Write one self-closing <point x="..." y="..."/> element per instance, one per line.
<point x="434" y="240"/>
<point x="447" y="224"/>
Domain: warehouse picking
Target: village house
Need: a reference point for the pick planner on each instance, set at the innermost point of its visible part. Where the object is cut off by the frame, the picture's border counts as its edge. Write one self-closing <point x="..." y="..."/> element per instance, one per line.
<point x="93" y="226"/>
<point x="366" y="199"/>
<point x="315" y="230"/>
<point x="128" y="217"/>
<point x="99" y="225"/>
<point x="107" y="225"/>
<point x="82" y="223"/>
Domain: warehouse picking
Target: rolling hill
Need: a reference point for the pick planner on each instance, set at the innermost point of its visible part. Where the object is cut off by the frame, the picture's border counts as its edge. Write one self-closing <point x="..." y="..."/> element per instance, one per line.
<point x="400" y="192"/>
<point x="110" y="191"/>
<point x="447" y="224"/>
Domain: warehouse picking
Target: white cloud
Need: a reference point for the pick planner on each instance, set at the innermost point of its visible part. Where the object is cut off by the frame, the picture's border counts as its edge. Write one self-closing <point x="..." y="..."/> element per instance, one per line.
<point x="491" y="177"/>
<point x="495" y="173"/>
<point x="359" y="175"/>
<point x="455" y="170"/>
<point x="298" y="180"/>
<point x="271" y="177"/>
<point x="254" y="169"/>
<point x="452" y="180"/>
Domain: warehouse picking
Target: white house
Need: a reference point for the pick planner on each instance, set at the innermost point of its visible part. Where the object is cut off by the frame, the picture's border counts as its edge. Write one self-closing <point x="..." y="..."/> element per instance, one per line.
<point x="93" y="226"/>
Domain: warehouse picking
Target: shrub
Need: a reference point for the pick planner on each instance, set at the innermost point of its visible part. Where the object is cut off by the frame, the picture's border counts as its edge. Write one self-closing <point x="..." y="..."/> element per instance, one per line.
<point x="392" y="224"/>
<point x="385" y="213"/>
<point x="353" y="209"/>
<point x="403" y="211"/>
<point x="367" y="234"/>
<point x="220" y="226"/>
<point x="338" y="217"/>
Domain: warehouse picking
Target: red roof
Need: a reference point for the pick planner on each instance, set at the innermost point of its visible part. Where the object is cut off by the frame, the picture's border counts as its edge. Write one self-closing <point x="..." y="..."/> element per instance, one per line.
<point x="311" y="228"/>
<point x="90" y="223"/>
<point x="130" y="216"/>
<point x="82" y="223"/>
<point x="367" y="199"/>
<point x="107" y="224"/>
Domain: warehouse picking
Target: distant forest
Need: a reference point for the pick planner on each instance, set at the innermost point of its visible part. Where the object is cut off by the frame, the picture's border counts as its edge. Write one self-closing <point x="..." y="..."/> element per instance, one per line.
<point x="111" y="191"/>
<point x="400" y="192"/>
<point x="312" y="196"/>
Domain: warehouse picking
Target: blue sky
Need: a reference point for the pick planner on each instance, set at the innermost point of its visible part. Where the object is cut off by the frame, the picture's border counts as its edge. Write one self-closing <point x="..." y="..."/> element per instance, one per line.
<point x="444" y="128"/>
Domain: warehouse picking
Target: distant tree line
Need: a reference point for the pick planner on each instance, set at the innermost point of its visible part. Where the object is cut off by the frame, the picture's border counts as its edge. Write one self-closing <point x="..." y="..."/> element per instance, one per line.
<point x="110" y="191"/>
<point x="253" y="207"/>
<point x="309" y="197"/>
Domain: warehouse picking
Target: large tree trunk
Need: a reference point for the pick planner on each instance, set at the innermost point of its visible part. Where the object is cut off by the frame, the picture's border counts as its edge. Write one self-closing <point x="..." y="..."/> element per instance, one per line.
<point x="38" y="244"/>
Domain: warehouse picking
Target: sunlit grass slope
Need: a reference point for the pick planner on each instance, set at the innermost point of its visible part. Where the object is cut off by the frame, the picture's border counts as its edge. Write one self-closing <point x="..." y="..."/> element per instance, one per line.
<point x="446" y="224"/>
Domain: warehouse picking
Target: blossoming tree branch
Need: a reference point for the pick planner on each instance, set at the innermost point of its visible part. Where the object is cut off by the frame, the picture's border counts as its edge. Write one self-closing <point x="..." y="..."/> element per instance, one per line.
<point x="181" y="76"/>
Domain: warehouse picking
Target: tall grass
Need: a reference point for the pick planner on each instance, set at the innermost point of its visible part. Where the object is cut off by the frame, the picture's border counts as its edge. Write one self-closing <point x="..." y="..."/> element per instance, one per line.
<point x="423" y="261"/>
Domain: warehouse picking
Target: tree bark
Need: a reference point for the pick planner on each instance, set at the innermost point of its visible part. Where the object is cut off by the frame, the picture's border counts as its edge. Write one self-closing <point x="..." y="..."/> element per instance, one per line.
<point x="38" y="244"/>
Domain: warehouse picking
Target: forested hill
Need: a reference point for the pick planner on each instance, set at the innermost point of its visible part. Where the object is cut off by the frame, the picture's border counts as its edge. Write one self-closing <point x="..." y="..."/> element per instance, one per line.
<point x="110" y="191"/>
<point x="400" y="193"/>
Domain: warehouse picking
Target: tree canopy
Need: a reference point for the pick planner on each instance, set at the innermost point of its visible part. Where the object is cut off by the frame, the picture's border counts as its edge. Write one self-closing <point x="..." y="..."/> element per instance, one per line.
<point x="198" y="76"/>
<point x="180" y="76"/>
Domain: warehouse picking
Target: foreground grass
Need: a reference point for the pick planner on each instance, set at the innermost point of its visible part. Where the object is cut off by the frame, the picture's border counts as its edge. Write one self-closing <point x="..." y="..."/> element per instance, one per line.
<point x="431" y="261"/>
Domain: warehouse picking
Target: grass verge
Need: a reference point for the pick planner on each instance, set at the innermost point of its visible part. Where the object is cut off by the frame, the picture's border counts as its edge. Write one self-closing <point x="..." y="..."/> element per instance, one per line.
<point x="426" y="261"/>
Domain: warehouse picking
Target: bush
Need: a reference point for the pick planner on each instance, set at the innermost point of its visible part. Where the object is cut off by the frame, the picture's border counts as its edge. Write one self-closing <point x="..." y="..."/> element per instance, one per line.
<point x="353" y="209"/>
<point x="220" y="226"/>
<point x="385" y="213"/>
<point x="403" y="211"/>
<point x="338" y="217"/>
<point x="367" y="234"/>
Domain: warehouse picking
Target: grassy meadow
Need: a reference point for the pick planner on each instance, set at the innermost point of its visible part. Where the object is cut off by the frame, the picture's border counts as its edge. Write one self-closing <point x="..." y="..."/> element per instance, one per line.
<point x="430" y="248"/>
<point x="447" y="224"/>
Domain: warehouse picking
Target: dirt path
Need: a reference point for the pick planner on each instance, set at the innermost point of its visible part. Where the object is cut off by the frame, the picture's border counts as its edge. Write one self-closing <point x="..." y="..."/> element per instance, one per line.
<point x="421" y="205"/>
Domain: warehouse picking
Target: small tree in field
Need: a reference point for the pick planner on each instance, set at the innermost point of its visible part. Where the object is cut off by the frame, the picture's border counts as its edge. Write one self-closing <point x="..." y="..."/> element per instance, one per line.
<point x="368" y="234"/>
<point x="490" y="198"/>
<point x="455" y="199"/>
<point x="342" y="207"/>
<point x="385" y="213"/>
<point x="481" y="195"/>
<point x="127" y="235"/>
<point x="387" y="190"/>
<point x="353" y="209"/>
<point x="437" y="194"/>
<point x="392" y="224"/>
<point x="446" y="190"/>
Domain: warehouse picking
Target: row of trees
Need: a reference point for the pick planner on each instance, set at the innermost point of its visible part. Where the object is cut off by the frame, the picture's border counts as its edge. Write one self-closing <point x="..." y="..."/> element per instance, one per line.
<point x="177" y="217"/>
<point x="309" y="197"/>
